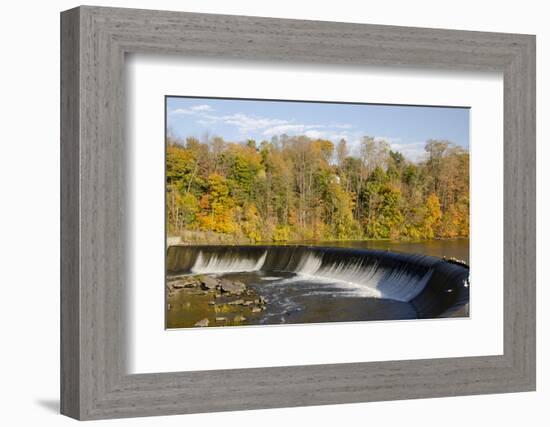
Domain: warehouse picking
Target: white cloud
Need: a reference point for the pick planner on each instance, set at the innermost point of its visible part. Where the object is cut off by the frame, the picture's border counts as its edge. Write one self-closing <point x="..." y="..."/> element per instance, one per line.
<point x="389" y="139"/>
<point x="203" y="107"/>
<point x="250" y="123"/>
<point x="270" y="126"/>
<point x="315" y="134"/>
<point x="267" y="126"/>
<point x="413" y="151"/>
<point x="332" y="135"/>
<point x="341" y="126"/>
<point x="194" y="110"/>
<point x="181" y="111"/>
<point x="285" y="128"/>
<point x="297" y="128"/>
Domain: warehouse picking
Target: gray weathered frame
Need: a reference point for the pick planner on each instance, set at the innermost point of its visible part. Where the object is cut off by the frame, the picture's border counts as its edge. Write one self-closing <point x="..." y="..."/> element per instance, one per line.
<point x="94" y="41"/>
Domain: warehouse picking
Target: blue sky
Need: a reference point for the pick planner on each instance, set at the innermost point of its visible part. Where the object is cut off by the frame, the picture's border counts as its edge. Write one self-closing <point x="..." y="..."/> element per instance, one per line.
<point x="405" y="128"/>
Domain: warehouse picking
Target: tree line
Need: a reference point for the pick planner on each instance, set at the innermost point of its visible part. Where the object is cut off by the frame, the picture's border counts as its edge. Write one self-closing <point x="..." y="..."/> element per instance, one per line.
<point x="294" y="188"/>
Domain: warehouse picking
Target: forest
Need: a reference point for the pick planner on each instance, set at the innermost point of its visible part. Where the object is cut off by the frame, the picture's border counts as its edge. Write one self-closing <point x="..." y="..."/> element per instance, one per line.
<point x="294" y="188"/>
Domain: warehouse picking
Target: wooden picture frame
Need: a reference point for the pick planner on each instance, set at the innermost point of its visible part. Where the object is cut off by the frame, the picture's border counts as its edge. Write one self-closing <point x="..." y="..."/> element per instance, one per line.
<point x="94" y="382"/>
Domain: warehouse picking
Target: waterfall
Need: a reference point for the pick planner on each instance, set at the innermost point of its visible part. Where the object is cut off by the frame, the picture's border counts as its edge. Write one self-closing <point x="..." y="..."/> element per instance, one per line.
<point x="218" y="263"/>
<point x="368" y="280"/>
<point x="309" y="264"/>
<point x="431" y="284"/>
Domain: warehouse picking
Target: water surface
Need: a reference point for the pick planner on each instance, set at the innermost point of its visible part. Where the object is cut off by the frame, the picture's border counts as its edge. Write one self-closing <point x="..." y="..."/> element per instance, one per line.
<point x="324" y="281"/>
<point x="450" y="248"/>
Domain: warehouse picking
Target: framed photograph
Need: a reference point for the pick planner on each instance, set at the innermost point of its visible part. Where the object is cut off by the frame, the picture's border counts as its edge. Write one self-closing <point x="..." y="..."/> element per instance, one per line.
<point x="297" y="215"/>
<point x="279" y="213"/>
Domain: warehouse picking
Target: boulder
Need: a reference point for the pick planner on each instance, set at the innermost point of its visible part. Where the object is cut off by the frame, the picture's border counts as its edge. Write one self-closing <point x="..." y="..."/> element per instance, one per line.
<point x="202" y="323"/>
<point x="208" y="283"/>
<point x="184" y="283"/>
<point x="235" y="287"/>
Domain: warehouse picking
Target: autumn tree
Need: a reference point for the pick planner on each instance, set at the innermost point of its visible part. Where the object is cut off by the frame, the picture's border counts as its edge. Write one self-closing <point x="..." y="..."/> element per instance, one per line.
<point x="293" y="188"/>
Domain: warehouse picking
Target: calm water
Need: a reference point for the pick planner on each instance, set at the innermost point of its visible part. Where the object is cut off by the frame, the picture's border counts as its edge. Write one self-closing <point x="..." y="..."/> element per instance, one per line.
<point x="455" y="248"/>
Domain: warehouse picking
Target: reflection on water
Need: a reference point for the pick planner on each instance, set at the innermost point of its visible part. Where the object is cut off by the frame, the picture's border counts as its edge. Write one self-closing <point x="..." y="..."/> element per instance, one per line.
<point x="451" y="248"/>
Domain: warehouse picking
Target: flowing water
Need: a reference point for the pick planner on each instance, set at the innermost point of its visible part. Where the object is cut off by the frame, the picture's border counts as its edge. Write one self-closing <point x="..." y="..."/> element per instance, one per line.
<point x="335" y="281"/>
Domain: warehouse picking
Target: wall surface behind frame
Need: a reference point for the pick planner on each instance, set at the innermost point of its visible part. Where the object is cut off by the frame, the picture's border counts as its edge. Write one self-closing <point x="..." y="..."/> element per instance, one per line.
<point x="29" y="218"/>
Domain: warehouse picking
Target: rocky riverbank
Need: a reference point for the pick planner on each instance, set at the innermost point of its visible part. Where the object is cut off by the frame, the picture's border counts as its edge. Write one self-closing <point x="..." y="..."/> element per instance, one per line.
<point x="204" y="300"/>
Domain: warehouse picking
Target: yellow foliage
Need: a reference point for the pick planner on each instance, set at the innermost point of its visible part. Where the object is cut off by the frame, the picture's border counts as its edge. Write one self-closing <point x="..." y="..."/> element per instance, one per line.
<point x="293" y="188"/>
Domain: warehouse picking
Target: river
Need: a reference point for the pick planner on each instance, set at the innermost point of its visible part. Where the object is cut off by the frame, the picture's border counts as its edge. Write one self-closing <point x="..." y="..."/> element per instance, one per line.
<point x="312" y="282"/>
<point x="450" y="248"/>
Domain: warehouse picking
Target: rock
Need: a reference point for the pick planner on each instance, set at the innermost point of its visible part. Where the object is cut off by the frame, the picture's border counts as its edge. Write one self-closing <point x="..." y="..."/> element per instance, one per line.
<point x="185" y="283"/>
<point x="203" y="322"/>
<point x="168" y="307"/>
<point x="256" y="309"/>
<point x="236" y="302"/>
<point x="221" y="319"/>
<point x="239" y="318"/>
<point x="261" y="300"/>
<point x="248" y="303"/>
<point x="208" y="283"/>
<point x="212" y="303"/>
<point x="235" y="287"/>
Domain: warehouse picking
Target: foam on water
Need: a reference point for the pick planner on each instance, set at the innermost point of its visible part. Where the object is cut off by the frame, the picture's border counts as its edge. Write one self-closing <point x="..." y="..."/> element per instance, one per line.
<point x="361" y="280"/>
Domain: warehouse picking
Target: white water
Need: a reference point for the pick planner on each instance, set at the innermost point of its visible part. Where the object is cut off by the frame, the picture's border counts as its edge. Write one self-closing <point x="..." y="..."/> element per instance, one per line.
<point x="364" y="281"/>
<point x="309" y="264"/>
<point x="355" y="278"/>
<point x="218" y="265"/>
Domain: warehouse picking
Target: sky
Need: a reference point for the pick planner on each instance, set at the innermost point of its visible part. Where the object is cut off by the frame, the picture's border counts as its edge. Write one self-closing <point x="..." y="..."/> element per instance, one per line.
<point x="405" y="128"/>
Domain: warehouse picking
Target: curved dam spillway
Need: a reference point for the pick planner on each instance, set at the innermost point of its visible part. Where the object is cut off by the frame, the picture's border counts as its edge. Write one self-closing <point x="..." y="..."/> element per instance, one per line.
<point x="431" y="286"/>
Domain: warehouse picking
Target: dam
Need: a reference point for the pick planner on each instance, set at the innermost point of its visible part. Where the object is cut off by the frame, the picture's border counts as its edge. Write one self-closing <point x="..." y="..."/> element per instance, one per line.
<point x="311" y="284"/>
